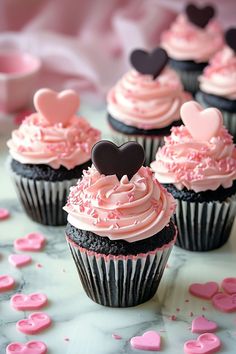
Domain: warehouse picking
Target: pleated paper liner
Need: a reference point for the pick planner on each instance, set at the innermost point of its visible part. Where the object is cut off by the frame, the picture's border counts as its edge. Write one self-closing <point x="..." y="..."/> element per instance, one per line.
<point x="43" y="200"/>
<point x="204" y="226"/>
<point x="120" y="281"/>
<point x="189" y="80"/>
<point x="228" y="117"/>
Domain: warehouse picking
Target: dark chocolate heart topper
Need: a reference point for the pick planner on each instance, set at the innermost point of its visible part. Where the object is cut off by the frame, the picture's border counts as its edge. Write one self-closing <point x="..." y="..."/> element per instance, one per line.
<point x="200" y="16"/>
<point x="149" y="63"/>
<point x="110" y="159"/>
<point x="230" y="38"/>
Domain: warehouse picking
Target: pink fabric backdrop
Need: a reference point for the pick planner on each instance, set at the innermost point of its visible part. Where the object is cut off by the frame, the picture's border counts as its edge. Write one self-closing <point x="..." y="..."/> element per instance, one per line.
<point x="85" y="44"/>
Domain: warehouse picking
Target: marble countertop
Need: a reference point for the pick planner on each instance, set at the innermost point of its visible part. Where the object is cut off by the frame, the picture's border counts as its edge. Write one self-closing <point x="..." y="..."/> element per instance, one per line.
<point x="83" y="327"/>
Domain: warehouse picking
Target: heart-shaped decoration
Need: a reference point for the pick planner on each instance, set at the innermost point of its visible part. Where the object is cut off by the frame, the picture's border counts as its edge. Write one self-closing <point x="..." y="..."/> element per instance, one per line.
<point x="34" y="301"/>
<point x="150" y="340"/>
<point x="199" y="16"/>
<point x="31" y="242"/>
<point x="201" y="324"/>
<point x="230" y="38"/>
<point x="19" y="260"/>
<point x="229" y="285"/>
<point x="205" y="291"/>
<point x="35" y="323"/>
<point x="6" y="282"/>
<point x="56" y="107"/>
<point x="206" y="343"/>
<point x="110" y="159"/>
<point x="32" y="347"/>
<point x="149" y="63"/>
<point x="225" y="302"/>
<point x="202" y="124"/>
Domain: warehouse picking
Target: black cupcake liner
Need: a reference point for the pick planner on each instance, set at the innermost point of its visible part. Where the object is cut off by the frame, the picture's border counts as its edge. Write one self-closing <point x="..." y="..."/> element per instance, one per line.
<point x="204" y="226"/>
<point x="43" y="200"/>
<point x="189" y="79"/>
<point x="120" y="281"/>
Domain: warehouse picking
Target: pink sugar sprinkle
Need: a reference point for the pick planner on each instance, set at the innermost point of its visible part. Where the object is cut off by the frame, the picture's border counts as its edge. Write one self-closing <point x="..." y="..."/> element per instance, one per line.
<point x="116" y="336"/>
<point x="39" y="265"/>
<point x="66" y="339"/>
<point x="203" y="308"/>
<point x="191" y="314"/>
<point x="173" y="318"/>
<point x="178" y="309"/>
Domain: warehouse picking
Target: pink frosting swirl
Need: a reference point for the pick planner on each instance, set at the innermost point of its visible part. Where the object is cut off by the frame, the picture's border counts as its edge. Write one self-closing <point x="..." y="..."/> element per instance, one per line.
<point x="38" y="142"/>
<point x="130" y="210"/>
<point x="185" y="41"/>
<point x="139" y="101"/>
<point x="219" y="77"/>
<point x="196" y="165"/>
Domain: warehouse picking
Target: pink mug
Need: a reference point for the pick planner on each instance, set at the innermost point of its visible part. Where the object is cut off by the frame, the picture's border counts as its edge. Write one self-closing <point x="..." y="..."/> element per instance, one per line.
<point x="18" y="79"/>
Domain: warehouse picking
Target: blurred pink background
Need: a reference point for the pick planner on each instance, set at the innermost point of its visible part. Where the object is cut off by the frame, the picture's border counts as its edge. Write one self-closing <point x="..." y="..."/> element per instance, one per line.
<point x="85" y="44"/>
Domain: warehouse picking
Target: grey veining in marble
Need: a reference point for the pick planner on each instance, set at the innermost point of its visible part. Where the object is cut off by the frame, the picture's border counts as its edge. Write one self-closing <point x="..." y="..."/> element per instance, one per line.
<point x="83" y="327"/>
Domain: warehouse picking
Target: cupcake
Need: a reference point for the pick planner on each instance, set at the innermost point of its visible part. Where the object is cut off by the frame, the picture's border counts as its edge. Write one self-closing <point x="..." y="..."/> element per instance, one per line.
<point x="145" y="103"/>
<point x="197" y="165"/>
<point x="119" y="230"/>
<point x="48" y="153"/>
<point x="191" y="41"/>
<point x="218" y="82"/>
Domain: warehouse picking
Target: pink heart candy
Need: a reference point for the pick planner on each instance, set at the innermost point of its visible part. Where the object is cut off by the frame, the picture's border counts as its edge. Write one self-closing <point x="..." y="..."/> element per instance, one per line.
<point x="6" y="282"/>
<point x="201" y="325"/>
<point x="225" y="302"/>
<point x="19" y="260"/>
<point x="201" y="124"/>
<point x="56" y="107"/>
<point x="35" y="323"/>
<point x="4" y="214"/>
<point x="205" y="291"/>
<point x="33" y="301"/>
<point x="33" y="347"/>
<point x="229" y="285"/>
<point x="31" y="242"/>
<point x="206" y="343"/>
<point x="150" y="340"/>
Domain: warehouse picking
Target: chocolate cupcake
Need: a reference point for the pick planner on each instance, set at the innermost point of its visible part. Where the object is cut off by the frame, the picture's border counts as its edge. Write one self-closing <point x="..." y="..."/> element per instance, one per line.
<point x="197" y="165"/>
<point x="145" y="103"/>
<point x="119" y="230"/>
<point x="193" y="38"/>
<point x="49" y="152"/>
<point x="218" y="82"/>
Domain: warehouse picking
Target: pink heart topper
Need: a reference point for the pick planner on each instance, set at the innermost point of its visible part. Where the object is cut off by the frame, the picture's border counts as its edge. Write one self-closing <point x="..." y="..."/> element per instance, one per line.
<point x="32" y="347"/>
<point x="19" y="260"/>
<point x="6" y="282"/>
<point x="150" y="340"/>
<point x="229" y="285"/>
<point x="31" y="242"/>
<point x="56" y="107"/>
<point x="206" y="343"/>
<point x="202" y="124"/>
<point x="205" y="291"/>
<point x="225" y="302"/>
<point x="35" y="323"/>
<point x="34" y="301"/>
<point x="201" y="324"/>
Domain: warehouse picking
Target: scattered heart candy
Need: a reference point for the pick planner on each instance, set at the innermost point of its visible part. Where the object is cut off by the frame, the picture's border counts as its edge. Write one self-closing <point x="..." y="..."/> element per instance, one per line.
<point x="32" y="347"/>
<point x="19" y="260"/>
<point x="56" y="107"/>
<point x="35" y="323"/>
<point x="206" y="343"/>
<point x="202" y="124"/>
<point x="6" y="282"/>
<point x="4" y="214"/>
<point x="229" y="285"/>
<point x="201" y="324"/>
<point x="224" y="302"/>
<point x="150" y="341"/>
<point x="34" y="301"/>
<point x="205" y="291"/>
<point x="31" y="242"/>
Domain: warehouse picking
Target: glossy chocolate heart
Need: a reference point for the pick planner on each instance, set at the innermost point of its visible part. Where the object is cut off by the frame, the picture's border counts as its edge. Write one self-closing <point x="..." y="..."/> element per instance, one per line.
<point x="199" y="16"/>
<point x="149" y="63"/>
<point x="230" y="38"/>
<point x="110" y="159"/>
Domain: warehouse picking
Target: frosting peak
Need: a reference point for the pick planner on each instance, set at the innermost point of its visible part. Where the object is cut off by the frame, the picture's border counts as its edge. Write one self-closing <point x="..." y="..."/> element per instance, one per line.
<point x="131" y="210"/>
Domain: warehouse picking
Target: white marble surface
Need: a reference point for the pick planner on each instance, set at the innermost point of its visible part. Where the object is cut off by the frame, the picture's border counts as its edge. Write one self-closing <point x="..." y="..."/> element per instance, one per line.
<point x="88" y="326"/>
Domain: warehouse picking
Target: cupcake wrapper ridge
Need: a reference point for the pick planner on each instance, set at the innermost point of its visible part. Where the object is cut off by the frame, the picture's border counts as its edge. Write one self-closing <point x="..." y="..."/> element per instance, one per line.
<point x="189" y="80"/>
